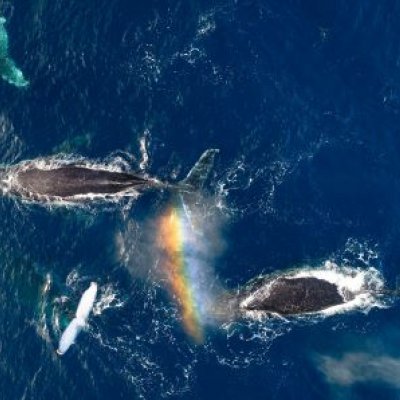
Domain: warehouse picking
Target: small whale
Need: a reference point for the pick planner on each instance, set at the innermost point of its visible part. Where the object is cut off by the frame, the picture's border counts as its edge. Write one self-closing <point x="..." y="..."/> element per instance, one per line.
<point x="72" y="331"/>
<point x="78" y="183"/>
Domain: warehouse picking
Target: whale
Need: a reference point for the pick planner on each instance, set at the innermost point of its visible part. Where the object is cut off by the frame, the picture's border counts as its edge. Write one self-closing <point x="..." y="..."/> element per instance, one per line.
<point x="69" y="181"/>
<point x="281" y="296"/>
<point x="73" y="182"/>
<point x="73" y="329"/>
<point x="290" y="296"/>
<point x="8" y="69"/>
<point x="304" y="291"/>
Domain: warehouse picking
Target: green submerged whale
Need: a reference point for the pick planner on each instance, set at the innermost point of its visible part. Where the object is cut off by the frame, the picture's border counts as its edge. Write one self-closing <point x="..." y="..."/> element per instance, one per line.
<point x="8" y="70"/>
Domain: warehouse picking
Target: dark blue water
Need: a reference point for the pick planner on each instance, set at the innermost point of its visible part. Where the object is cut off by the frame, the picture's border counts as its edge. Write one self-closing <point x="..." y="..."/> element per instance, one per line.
<point x="303" y="100"/>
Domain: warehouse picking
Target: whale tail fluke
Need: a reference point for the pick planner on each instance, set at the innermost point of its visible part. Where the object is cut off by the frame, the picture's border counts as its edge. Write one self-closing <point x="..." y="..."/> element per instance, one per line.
<point x="197" y="176"/>
<point x="189" y="188"/>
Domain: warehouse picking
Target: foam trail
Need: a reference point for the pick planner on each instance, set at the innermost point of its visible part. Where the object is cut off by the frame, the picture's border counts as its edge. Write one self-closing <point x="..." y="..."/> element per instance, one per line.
<point x="79" y="322"/>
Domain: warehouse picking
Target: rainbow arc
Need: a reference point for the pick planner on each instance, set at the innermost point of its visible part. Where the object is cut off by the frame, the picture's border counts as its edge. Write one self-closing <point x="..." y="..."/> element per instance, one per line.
<point x="176" y="239"/>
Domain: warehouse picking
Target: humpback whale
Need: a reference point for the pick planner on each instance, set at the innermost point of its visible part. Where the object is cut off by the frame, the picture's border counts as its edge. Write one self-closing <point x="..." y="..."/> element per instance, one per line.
<point x="293" y="296"/>
<point x="326" y="290"/>
<point x="73" y="182"/>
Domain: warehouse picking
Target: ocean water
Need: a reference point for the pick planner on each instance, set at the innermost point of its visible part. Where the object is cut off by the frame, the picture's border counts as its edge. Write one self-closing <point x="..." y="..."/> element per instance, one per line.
<point x="303" y="100"/>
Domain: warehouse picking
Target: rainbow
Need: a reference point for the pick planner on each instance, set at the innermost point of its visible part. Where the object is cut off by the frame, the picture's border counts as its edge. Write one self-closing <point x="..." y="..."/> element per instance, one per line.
<point x="176" y="240"/>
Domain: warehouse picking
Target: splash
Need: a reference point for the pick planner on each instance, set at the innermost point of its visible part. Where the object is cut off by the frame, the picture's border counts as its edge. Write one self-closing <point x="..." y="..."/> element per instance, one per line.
<point x="177" y="239"/>
<point x="361" y="288"/>
<point x="8" y="70"/>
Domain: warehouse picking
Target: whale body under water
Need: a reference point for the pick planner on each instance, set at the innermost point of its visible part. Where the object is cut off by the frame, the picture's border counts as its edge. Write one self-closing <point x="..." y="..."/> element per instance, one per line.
<point x="77" y="182"/>
<point x="8" y="69"/>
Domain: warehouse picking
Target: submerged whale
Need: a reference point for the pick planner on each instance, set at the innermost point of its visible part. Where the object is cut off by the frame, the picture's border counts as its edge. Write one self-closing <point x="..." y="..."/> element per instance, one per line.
<point x="76" y="182"/>
<point x="8" y="69"/>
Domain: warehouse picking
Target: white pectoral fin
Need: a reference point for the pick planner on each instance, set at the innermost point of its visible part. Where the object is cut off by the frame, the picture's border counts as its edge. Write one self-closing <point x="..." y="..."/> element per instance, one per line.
<point x="69" y="335"/>
<point x="87" y="301"/>
<point x="85" y="306"/>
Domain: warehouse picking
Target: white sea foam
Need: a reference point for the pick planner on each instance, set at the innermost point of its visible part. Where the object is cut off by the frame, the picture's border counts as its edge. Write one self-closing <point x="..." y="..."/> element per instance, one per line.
<point x="206" y="24"/>
<point x="108" y="298"/>
<point x="360" y="288"/>
<point x="11" y="145"/>
<point x="143" y="142"/>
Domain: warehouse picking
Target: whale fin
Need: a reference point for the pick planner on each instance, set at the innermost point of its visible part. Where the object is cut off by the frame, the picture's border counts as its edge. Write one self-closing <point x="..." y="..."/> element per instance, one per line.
<point x="197" y="176"/>
<point x="69" y="335"/>
<point x="80" y="321"/>
<point x="12" y="74"/>
<point x="86" y="302"/>
<point x="8" y="69"/>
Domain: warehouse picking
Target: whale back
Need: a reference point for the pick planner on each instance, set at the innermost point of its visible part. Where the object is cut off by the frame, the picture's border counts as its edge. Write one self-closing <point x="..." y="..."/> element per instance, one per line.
<point x="294" y="296"/>
<point x="69" y="181"/>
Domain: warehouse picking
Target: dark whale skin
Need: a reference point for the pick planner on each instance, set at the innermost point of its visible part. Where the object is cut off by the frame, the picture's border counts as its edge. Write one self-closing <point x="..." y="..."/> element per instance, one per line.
<point x="78" y="182"/>
<point x="69" y="181"/>
<point x="294" y="296"/>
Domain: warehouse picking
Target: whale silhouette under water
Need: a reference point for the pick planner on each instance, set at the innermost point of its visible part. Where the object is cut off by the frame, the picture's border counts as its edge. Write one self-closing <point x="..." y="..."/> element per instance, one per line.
<point x="76" y="182"/>
<point x="8" y="69"/>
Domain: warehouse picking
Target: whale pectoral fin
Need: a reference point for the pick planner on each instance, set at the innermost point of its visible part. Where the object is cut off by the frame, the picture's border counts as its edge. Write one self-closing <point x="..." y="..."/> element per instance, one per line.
<point x="3" y="39"/>
<point x="8" y="69"/>
<point x="85" y="327"/>
<point x="11" y="73"/>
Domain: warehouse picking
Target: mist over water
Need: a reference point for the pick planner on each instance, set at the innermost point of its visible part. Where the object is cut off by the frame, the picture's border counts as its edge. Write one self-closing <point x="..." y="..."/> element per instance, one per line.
<point x="301" y="99"/>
